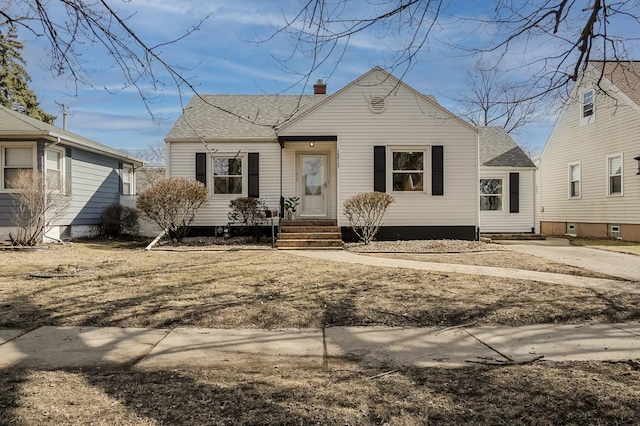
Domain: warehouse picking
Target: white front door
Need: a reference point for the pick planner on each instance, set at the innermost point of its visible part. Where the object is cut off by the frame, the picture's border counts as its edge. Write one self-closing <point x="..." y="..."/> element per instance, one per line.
<point x="313" y="185"/>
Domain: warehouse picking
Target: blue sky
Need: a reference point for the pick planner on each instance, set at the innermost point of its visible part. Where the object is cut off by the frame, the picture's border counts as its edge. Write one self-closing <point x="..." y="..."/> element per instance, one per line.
<point x="223" y="57"/>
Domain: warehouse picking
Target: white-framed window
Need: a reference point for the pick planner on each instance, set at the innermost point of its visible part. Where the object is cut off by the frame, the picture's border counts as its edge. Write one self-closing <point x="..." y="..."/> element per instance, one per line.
<point x="574" y="180"/>
<point x="408" y="170"/>
<point x="54" y="169"/>
<point x="491" y="194"/>
<point x="228" y="175"/>
<point x="614" y="174"/>
<point x="587" y="106"/>
<point x="127" y="180"/>
<point x="15" y="159"/>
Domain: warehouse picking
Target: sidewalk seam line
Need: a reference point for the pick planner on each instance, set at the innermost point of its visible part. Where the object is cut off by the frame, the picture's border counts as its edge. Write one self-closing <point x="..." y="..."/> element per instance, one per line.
<point x="626" y="331"/>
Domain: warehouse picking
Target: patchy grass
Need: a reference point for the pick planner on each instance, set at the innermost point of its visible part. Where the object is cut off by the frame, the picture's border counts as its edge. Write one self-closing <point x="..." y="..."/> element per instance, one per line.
<point x="116" y="284"/>
<point x="500" y="259"/>
<point x="611" y="245"/>
<point x="542" y="394"/>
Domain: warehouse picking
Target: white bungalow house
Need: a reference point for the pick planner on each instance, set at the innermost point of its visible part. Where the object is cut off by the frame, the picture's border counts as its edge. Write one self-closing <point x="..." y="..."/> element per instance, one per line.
<point x="91" y="176"/>
<point x="375" y="134"/>
<point x="589" y="182"/>
<point x="507" y="184"/>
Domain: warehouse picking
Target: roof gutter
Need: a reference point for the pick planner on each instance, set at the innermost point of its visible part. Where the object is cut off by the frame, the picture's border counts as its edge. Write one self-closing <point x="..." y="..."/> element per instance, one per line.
<point x="58" y="138"/>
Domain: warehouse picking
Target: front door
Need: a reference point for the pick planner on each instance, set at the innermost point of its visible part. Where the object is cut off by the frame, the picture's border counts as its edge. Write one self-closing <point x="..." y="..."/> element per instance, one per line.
<point x="313" y="185"/>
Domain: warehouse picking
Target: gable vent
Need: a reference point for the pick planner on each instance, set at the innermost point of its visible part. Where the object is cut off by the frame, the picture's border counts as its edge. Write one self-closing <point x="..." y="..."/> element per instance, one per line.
<point x="377" y="104"/>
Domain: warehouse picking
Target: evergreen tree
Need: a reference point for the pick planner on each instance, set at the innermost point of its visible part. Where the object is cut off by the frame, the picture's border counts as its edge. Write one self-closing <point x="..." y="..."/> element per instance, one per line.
<point x="14" y="90"/>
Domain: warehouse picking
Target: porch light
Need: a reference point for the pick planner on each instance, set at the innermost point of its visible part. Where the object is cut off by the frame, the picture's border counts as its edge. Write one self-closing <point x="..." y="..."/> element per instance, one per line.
<point x="311" y="144"/>
<point x="638" y="160"/>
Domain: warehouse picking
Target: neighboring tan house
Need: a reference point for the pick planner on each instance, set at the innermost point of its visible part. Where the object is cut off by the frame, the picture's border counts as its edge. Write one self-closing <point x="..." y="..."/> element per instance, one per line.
<point x="588" y="177"/>
<point x="507" y="184"/>
<point x="92" y="176"/>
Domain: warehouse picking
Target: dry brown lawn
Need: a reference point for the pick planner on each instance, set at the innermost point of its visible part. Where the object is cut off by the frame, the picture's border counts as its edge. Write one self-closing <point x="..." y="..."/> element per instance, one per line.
<point x="502" y="259"/>
<point x="117" y="284"/>
<point x="545" y="394"/>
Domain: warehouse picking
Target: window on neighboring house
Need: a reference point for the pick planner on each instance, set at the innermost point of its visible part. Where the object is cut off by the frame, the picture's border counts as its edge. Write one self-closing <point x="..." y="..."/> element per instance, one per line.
<point x="587" y="107"/>
<point x="574" y="180"/>
<point x="15" y="160"/>
<point x="587" y="103"/>
<point x="408" y="170"/>
<point x="491" y="194"/>
<point x="614" y="172"/>
<point x="227" y="175"/>
<point x="127" y="180"/>
<point x="54" y="170"/>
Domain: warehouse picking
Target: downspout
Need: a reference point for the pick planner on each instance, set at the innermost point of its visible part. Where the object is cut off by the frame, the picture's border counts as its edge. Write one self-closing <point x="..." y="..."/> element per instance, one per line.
<point x="281" y="208"/>
<point x="477" y="185"/>
<point x="535" y="202"/>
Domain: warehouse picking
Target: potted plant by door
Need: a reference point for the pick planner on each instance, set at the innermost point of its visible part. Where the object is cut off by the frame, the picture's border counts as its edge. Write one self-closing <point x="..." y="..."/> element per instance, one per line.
<point x="290" y="205"/>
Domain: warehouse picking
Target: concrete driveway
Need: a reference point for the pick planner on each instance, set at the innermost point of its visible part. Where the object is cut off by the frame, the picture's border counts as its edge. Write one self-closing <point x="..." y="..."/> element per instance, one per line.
<point x="626" y="266"/>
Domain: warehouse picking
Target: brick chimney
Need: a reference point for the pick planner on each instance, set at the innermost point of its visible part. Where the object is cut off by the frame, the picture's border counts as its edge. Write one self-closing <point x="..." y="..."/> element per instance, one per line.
<point x="320" y="88"/>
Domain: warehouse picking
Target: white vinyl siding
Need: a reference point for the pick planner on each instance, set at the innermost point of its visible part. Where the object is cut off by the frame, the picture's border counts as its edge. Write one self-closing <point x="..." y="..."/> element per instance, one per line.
<point x="501" y="221"/>
<point x="614" y="174"/>
<point x="408" y="120"/>
<point x="214" y="211"/>
<point x="615" y="131"/>
<point x="574" y="180"/>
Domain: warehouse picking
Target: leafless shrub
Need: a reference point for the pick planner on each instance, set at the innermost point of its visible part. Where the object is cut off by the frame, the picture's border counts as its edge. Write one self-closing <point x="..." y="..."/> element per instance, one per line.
<point x="37" y="205"/>
<point x="118" y="221"/>
<point x="172" y="204"/>
<point x="365" y="212"/>
<point x="250" y="213"/>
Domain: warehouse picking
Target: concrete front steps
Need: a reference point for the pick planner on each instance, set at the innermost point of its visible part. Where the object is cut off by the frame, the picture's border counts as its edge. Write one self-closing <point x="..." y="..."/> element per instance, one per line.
<point x="525" y="236"/>
<point x="320" y="234"/>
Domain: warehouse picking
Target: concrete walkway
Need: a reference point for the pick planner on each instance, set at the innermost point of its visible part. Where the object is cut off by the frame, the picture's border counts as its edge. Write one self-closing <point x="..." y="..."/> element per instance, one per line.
<point x="622" y="265"/>
<point x="545" y="277"/>
<point x="71" y="347"/>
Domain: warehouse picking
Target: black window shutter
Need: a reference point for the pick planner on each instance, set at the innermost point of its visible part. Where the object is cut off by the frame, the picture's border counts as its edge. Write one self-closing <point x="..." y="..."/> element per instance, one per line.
<point x="437" y="170"/>
<point x="514" y="192"/>
<point x="67" y="170"/>
<point x="379" y="169"/>
<point x="254" y="175"/>
<point x="120" y="181"/>
<point x="201" y="167"/>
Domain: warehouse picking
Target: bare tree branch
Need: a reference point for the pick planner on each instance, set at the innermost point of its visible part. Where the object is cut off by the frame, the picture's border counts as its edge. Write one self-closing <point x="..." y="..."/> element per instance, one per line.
<point x="573" y="33"/>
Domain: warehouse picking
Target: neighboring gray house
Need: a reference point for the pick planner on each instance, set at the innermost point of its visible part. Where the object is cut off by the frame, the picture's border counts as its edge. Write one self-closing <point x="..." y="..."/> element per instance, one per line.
<point x="92" y="175"/>
<point x="507" y="184"/>
<point x="589" y="177"/>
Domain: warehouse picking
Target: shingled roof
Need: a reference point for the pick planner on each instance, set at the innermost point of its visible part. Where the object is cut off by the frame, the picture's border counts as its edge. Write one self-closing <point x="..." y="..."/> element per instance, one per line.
<point x="220" y="117"/>
<point x="624" y="74"/>
<point x="498" y="149"/>
<point x="17" y="125"/>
